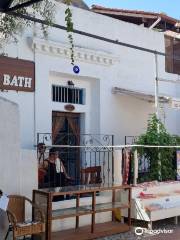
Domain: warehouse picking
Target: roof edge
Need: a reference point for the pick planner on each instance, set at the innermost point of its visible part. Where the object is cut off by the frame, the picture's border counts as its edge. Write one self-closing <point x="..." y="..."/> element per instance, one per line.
<point x="97" y="8"/>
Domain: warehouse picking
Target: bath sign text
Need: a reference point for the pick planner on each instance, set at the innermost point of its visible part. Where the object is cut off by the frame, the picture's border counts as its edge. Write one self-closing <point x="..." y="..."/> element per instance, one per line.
<point x="17" y="74"/>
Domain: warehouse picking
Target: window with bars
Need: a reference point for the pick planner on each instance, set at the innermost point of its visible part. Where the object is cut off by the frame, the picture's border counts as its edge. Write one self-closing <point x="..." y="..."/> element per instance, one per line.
<point x="68" y="94"/>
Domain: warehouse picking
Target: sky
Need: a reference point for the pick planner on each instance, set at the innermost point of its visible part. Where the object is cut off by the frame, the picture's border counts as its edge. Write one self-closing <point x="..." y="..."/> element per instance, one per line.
<point x="170" y="7"/>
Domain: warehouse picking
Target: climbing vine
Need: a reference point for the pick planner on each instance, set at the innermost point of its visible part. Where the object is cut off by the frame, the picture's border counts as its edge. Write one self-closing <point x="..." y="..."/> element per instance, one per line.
<point x="69" y="25"/>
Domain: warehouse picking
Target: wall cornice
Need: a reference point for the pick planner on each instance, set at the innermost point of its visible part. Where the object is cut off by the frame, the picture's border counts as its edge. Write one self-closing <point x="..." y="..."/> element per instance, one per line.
<point x="80" y="53"/>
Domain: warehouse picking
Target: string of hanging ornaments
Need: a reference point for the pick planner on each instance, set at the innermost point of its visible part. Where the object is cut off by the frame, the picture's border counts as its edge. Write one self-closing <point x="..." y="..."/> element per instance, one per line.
<point x="69" y="26"/>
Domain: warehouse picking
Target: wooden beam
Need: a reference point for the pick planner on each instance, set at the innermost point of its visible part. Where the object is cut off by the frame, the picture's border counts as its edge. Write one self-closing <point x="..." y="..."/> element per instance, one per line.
<point x="19" y="6"/>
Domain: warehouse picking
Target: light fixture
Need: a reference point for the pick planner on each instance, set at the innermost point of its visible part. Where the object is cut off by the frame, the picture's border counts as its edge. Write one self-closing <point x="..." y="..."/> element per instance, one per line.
<point x="70" y="84"/>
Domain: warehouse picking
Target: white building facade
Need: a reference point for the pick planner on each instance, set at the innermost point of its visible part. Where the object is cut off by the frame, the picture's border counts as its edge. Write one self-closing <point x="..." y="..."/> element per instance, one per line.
<point x="103" y="66"/>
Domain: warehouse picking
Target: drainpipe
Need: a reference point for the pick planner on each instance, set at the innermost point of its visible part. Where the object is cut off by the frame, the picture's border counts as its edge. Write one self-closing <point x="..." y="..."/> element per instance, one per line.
<point x="157" y="107"/>
<point x="156" y="87"/>
<point x="155" y="23"/>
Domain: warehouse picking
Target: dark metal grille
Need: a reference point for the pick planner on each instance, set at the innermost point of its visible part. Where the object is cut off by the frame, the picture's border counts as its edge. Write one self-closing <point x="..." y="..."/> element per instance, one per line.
<point x="68" y="94"/>
<point x="89" y="156"/>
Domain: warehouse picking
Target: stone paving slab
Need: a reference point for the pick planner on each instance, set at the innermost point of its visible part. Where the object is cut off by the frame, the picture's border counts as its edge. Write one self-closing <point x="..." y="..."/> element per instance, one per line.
<point x="132" y="236"/>
<point x="174" y="233"/>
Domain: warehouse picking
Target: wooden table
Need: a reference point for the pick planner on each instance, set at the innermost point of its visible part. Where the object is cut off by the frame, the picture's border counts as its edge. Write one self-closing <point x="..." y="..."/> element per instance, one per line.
<point x="43" y="198"/>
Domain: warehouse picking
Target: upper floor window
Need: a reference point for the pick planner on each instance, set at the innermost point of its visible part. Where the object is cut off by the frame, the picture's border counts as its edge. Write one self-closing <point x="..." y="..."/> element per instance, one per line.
<point x="68" y="94"/>
<point x="172" y="50"/>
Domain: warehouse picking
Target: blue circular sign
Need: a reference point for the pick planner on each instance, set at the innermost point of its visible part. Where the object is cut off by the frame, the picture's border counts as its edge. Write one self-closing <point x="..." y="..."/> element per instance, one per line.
<point x="76" y="69"/>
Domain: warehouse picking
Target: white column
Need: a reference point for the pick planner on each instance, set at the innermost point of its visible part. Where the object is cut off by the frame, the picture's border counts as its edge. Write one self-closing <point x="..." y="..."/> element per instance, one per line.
<point x="118" y="166"/>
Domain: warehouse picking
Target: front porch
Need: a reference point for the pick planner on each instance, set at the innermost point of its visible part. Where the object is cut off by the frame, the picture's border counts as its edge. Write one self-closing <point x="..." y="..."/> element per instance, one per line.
<point x="89" y="163"/>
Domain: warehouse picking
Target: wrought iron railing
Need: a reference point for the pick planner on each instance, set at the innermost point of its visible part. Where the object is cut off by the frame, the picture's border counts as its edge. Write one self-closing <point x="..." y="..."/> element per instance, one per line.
<point x="93" y="153"/>
<point x="97" y="140"/>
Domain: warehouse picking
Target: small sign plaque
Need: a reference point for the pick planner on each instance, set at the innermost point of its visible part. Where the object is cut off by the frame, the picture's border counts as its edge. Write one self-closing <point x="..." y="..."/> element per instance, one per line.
<point x="69" y="107"/>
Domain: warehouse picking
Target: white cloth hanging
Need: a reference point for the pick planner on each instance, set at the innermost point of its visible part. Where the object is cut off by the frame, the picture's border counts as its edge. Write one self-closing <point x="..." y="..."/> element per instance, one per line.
<point x="59" y="166"/>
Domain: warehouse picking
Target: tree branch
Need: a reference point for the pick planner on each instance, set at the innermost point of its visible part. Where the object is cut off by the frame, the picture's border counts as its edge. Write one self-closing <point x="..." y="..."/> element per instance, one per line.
<point x="19" y="6"/>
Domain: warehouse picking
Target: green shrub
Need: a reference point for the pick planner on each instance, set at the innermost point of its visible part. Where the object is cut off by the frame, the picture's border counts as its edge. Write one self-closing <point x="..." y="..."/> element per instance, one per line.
<point x="161" y="159"/>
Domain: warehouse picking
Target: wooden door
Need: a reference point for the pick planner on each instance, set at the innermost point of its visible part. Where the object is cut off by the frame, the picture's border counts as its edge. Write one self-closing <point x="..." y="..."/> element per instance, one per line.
<point x="66" y="131"/>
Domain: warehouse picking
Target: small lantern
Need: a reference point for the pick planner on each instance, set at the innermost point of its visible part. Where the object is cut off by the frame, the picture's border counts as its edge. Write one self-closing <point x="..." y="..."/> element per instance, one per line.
<point x="70" y="84"/>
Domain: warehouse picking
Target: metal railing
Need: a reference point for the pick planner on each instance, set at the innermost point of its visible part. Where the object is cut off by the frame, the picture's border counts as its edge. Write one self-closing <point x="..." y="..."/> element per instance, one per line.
<point x="76" y="160"/>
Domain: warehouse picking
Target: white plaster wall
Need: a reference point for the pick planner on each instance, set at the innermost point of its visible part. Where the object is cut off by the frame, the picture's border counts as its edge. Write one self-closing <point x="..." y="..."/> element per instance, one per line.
<point x="28" y="172"/>
<point x="104" y="112"/>
<point x="18" y="168"/>
<point x="9" y="147"/>
<point x="25" y="102"/>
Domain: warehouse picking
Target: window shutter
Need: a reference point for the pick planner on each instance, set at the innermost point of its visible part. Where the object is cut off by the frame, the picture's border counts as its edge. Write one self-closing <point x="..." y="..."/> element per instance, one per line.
<point x="176" y="53"/>
<point x="169" y="54"/>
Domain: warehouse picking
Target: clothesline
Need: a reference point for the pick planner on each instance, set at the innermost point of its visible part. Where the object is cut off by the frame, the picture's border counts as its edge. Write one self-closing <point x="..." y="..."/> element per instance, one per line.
<point x="114" y="146"/>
